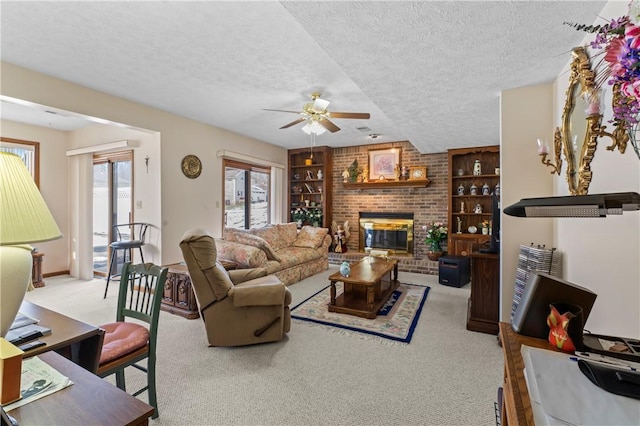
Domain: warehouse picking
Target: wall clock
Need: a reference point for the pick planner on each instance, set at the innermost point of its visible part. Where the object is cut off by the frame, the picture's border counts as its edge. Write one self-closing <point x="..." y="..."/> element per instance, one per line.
<point x="191" y="166"/>
<point x="418" y="173"/>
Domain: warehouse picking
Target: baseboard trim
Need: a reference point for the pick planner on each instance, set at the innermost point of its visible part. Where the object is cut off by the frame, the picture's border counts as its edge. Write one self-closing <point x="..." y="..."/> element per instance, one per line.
<point x="53" y="274"/>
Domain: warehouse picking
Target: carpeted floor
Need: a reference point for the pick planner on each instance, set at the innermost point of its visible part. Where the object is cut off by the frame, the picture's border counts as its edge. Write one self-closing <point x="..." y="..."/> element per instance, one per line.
<point x="395" y="322"/>
<point x="445" y="376"/>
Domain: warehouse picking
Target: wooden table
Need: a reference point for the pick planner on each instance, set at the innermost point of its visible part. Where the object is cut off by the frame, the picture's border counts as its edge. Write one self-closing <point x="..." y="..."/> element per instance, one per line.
<point x="177" y="296"/>
<point x="89" y="401"/>
<point x="76" y="340"/>
<point x="365" y="289"/>
<point x="516" y="405"/>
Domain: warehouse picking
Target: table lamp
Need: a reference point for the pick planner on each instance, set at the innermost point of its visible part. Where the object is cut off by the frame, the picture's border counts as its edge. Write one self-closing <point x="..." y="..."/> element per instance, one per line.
<point x="24" y="219"/>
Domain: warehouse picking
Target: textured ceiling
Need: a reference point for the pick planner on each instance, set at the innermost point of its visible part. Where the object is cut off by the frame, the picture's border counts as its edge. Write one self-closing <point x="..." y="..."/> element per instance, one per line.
<point x="428" y="72"/>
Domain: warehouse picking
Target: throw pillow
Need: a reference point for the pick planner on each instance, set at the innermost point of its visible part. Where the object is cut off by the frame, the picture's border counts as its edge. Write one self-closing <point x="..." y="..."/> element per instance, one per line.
<point x="310" y="237"/>
<point x="229" y="234"/>
<point x="288" y="233"/>
<point x="272" y="235"/>
<point x="254" y="240"/>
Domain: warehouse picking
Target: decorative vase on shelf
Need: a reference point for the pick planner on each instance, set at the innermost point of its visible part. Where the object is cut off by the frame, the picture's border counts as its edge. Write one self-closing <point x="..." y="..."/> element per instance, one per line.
<point x="345" y="269"/>
<point x="435" y="251"/>
<point x="477" y="168"/>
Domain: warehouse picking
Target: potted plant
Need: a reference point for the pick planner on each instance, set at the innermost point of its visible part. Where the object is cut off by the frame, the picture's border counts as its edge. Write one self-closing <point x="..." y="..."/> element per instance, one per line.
<point x="436" y="234"/>
<point x="299" y="216"/>
<point x="314" y="217"/>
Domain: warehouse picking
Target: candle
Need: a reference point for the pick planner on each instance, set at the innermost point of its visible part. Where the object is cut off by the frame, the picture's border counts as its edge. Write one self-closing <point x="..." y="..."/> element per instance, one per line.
<point x="542" y="147"/>
<point x="593" y="103"/>
<point x="593" y="108"/>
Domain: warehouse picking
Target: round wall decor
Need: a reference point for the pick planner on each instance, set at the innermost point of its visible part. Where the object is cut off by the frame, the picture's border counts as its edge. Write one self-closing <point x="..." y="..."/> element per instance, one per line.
<point x="191" y="166"/>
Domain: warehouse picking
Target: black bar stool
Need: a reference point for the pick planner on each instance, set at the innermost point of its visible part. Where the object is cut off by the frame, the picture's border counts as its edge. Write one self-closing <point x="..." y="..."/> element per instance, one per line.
<point x="128" y="236"/>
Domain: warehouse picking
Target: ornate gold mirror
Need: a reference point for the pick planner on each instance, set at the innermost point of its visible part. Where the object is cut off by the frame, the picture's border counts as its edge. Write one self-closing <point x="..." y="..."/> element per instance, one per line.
<point x="580" y="123"/>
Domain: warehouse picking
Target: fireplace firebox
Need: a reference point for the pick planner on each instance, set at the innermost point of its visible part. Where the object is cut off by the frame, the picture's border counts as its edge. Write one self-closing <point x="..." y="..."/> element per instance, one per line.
<point x="386" y="231"/>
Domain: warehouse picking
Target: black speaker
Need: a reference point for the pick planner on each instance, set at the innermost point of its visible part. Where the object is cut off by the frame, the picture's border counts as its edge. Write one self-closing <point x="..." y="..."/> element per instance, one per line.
<point x="454" y="270"/>
<point x="530" y="317"/>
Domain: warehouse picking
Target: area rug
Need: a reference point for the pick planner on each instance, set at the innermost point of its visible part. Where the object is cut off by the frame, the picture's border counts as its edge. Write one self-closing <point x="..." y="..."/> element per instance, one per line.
<point x="395" y="322"/>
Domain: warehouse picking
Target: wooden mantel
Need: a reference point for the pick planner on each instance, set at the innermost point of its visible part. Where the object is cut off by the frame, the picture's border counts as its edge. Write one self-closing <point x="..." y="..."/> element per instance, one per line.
<point x="381" y="184"/>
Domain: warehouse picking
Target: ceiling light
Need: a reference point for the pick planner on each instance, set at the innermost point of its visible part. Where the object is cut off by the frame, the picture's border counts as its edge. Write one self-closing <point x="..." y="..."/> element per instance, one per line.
<point x="314" y="127"/>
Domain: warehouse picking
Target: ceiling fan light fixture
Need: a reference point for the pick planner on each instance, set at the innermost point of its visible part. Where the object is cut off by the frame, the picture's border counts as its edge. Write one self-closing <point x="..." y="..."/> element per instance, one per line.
<point x="314" y="127"/>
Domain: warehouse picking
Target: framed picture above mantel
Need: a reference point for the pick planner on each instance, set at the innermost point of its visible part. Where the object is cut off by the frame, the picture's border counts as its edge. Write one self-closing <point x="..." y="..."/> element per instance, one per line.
<point x="383" y="163"/>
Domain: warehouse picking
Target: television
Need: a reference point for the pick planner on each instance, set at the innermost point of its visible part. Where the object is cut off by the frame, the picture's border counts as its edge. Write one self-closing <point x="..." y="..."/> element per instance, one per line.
<point x="494" y="242"/>
<point x="541" y="290"/>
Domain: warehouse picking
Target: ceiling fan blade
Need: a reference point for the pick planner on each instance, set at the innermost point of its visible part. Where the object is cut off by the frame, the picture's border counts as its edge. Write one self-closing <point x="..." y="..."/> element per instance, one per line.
<point x="293" y="123"/>
<point x="320" y="105"/>
<point x="360" y="115"/>
<point x="281" y="110"/>
<point x="328" y="125"/>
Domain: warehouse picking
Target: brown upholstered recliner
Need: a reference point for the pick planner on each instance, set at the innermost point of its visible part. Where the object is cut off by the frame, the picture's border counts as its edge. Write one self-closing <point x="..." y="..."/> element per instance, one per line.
<point x="238" y="307"/>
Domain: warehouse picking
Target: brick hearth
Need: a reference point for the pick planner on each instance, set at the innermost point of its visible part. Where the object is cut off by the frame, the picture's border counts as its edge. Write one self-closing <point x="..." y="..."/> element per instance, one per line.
<point x="427" y="204"/>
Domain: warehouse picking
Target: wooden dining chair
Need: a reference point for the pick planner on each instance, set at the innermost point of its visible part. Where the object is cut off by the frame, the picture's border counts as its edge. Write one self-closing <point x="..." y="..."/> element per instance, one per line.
<point x="127" y="341"/>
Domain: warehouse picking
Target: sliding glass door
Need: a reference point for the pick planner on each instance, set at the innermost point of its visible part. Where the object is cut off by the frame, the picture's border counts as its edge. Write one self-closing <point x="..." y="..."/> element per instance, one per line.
<point x="112" y="203"/>
<point x="246" y="193"/>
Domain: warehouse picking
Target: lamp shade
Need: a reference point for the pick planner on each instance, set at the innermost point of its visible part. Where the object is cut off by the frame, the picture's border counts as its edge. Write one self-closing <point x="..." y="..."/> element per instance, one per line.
<point x="313" y="127"/>
<point x="24" y="216"/>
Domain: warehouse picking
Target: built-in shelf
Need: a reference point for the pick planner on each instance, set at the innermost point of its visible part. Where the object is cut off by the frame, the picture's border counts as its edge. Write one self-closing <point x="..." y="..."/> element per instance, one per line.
<point x="387" y="184"/>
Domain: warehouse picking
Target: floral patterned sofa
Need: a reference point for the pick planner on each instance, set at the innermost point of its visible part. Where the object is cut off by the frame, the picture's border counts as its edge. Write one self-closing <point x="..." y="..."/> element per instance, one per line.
<point x="291" y="254"/>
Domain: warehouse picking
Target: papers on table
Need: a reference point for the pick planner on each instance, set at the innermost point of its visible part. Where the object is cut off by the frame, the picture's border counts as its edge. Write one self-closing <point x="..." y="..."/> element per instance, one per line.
<point x="38" y="379"/>
<point x="561" y="395"/>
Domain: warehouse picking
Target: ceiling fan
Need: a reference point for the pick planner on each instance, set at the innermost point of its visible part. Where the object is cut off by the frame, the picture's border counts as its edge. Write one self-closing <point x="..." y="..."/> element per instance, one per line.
<point x="315" y="114"/>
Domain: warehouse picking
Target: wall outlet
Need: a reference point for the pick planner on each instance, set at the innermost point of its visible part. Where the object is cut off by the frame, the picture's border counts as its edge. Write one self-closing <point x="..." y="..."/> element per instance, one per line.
<point x="138" y="204"/>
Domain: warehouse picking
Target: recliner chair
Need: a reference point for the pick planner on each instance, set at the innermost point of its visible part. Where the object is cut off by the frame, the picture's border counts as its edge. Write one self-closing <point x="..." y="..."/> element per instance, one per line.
<point x="238" y="307"/>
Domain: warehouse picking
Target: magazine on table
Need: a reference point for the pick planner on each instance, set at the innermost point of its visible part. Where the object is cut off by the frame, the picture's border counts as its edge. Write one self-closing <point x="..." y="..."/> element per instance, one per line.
<point x="38" y="379"/>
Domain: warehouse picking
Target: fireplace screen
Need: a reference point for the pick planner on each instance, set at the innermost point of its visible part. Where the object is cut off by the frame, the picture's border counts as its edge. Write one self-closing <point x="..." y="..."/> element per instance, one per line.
<point x="386" y="231"/>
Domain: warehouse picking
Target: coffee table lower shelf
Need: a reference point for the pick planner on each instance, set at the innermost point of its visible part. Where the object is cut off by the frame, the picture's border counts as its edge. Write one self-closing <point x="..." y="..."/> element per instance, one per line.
<point x="353" y="301"/>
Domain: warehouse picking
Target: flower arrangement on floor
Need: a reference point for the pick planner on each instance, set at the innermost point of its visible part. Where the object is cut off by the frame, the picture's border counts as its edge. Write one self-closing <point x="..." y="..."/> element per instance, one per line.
<point x="436" y="233"/>
<point x="620" y="41"/>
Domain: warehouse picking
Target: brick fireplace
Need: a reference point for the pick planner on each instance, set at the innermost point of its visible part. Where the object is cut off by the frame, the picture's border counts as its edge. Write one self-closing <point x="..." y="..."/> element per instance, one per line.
<point x="427" y="204"/>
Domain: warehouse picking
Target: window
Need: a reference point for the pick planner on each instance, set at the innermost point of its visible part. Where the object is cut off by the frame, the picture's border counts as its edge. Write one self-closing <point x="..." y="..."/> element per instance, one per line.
<point x="27" y="150"/>
<point x="246" y="191"/>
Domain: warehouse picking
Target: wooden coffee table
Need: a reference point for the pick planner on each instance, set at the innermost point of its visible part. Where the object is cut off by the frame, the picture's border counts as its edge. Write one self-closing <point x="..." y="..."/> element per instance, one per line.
<point x="366" y="289"/>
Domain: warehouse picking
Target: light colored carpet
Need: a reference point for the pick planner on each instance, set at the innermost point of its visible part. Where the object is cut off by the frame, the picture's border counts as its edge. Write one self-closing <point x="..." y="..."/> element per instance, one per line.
<point x="446" y="376"/>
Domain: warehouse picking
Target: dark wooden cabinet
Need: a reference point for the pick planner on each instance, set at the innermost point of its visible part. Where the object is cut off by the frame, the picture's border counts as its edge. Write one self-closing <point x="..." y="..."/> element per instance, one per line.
<point x="311" y="182"/>
<point x="177" y="296"/>
<point x="483" y="306"/>
<point x="36" y="271"/>
<point x="462" y="213"/>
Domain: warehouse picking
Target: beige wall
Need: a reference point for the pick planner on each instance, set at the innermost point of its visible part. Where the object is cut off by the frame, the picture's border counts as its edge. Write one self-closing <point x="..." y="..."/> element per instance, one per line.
<point x="53" y="186"/>
<point x="604" y="254"/>
<point x="600" y="254"/>
<point x="525" y="116"/>
<point x="185" y="203"/>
